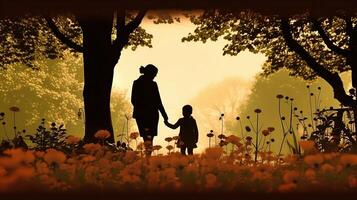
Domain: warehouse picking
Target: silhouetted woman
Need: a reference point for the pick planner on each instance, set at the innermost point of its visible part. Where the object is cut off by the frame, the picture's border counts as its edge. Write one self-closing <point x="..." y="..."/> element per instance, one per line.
<point x="146" y="100"/>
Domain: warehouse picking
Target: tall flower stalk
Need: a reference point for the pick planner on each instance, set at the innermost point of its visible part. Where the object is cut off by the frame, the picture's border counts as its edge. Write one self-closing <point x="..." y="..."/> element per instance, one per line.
<point x="14" y="109"/>
<point x="279" y="96"/>
<point x="2" y="117"/>
<point x="221" y="118"/>
<point x="257" y="111"/>
<point x="210" y="135"/>
<point x="241" y="126"/>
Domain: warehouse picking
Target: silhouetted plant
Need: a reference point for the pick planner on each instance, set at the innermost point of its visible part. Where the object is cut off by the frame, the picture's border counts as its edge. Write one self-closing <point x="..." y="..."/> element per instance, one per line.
<point x="287" y="129"/>
<point x="335" y="130"/>
<point x="210" y="135"/>
<point x="221" y="118"/>
<point x="14" y="109"/>
<point x="53" y="137"/>
<point x="3" y="123"/>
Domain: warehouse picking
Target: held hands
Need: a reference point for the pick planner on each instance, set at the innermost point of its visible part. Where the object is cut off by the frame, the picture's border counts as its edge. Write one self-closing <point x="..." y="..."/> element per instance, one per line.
<point x="167" y="123"/>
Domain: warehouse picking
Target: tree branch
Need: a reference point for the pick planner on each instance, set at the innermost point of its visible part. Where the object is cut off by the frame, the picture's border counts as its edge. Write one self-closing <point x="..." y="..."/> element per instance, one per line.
<point x="124" y="31"/>
<point x="332" y="78"/>
<point x="120" y="18"/>
<point x="349" y="26"/>
<point x="327" y="41"/>
<point x="132" y="25"/>
<point x="61" y="36"/>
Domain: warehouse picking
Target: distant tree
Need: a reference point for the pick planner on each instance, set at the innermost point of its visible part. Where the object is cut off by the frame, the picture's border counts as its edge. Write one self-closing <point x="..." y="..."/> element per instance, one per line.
<point x="263" y="96"/>
<point x="121" y="113"/>
<point x="309" y="47"/>
<point x="52" y="92"/>
<point x="223" y="97"/>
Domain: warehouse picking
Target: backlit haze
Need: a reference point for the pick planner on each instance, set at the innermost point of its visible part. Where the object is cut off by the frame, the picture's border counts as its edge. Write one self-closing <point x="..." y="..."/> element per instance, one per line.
<point x="185" y="69"/>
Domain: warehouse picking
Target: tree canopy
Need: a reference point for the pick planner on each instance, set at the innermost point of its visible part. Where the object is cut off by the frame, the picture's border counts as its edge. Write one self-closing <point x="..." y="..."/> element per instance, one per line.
<point x="30" y="39"/>
<point x="308" y="46"/>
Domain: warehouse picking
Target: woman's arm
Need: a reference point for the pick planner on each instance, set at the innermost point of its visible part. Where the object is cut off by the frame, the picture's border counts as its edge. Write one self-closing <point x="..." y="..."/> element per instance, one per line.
<point x="173" y="126"/>
<point x="160" y="105"/>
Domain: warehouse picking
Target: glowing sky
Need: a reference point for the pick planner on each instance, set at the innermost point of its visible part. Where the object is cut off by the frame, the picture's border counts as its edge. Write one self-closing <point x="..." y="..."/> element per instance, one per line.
<point x="184" y="68"/>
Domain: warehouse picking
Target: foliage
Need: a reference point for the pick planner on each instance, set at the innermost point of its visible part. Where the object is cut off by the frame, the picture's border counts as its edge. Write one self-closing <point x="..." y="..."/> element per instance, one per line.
<point x="44" y="138"/>
<point x="29" y="40"/>
<point x="53" y="91"/>
<point x="263" y="95"/>
<point x="335" y="131"/>
<point x="259" y="33"/>
<point x="121" y="110"/>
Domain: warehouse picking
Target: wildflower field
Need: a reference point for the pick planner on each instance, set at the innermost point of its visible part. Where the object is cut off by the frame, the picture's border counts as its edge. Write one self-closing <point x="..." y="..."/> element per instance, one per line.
<point x="321" y="164"/>
<point x="97" y="168"/>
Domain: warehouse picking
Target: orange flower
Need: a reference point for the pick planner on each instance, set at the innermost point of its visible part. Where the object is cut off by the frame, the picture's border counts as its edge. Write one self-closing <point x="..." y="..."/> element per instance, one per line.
<point x="117" y="165"/>
<point x="178" y="161"/>
<point x="39" y="154"/>
<point x="307" y="145"/>
<point x="291" y="176"/>
<point x="287" y="187"/>
<point x="153" y="179"/>
<point x="314" y="160"/>
<point x="310" y="174"/>
<point x="130" y="156"/>
<point x="327" y="168"/>
<point x="213" y="153"/>
<point x="72" y="140"/>
<point x="88" y="158"/>
<point x="330" y="156"/>
<point x="290" y="158"/>
<point x="23" y="173"/>
<point x="54" y="156"/>
<point x="42" y="168"/>
<point x="348" y="160"/>
<point x="211" y="181"/>
<point x="352" y="181"/>
<point x="233" y="139"/>
<point x="102" y="134"/>
<point x="16" y="157"/>
<point x="2" y="171"/>
<point x="91" y="148"/>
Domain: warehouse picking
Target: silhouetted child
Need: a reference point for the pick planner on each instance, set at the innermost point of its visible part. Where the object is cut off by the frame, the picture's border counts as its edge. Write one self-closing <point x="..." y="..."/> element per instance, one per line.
<point x="188" y="135"/>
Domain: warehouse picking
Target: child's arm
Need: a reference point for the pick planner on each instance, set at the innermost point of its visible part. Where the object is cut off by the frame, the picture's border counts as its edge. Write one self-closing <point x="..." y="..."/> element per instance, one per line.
<point x="173" y="126"/>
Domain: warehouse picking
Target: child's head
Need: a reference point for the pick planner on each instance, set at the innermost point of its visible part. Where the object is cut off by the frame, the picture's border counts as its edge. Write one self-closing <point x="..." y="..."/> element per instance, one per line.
<point x="187" y="110"/>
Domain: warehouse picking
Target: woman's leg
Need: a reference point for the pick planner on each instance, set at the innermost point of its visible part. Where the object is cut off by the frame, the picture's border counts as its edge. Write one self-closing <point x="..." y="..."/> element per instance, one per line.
<point x="148" y="141"/>
<point x="142" y="127"/>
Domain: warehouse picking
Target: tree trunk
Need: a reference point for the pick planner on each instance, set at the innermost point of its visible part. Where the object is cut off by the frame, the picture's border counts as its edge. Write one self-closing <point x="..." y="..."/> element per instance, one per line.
<point x="98" y="74"/>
